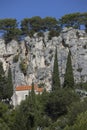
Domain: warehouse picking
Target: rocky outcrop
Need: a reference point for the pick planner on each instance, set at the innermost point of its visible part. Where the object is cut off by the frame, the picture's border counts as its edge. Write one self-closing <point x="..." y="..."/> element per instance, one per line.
<point x="37" y="54"/>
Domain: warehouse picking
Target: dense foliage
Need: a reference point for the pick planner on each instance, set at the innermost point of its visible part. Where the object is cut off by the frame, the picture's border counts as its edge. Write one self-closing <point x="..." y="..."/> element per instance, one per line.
<point x="11" y="29"/>
<point x="23" y="66"/>
<point x="80" y="123"/>
<point x="39" y="111"/>
<point x="6" y="85"/>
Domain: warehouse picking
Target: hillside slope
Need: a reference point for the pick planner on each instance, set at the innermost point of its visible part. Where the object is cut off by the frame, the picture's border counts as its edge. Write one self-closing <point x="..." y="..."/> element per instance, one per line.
<point x="32" y="59"/>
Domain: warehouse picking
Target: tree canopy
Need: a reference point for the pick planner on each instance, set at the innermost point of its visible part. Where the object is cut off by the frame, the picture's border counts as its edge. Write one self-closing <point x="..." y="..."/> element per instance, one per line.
<point x="12" y="29"/>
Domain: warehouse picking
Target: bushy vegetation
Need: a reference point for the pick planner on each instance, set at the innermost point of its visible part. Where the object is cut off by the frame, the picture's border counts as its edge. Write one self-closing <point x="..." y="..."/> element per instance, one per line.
<point x="40" y="111"/>
<point x="80" y="123"/>
<point x="41" y="85"/>
<point x="40" y="34"/>
<point x="15" y="58"/>
<point x="23" y="66"/>
<point x="53" y="33"/>
<point x="6" y="85"/>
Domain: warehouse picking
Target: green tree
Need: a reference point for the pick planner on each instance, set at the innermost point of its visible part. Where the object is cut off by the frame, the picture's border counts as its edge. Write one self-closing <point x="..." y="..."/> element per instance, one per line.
<point x="53" y="33"/>
<point x="50" y="23"/>
<point x="36" y="23"/>
<point x="10" y="29"/>
<point x="7" y="24"/>
<point x="83" y="19"/>
<point x="4" y="111"/>
<point x="3" y="125"/>
<point x="25" y="27"/>
<point x="22" y="116"/>
<point x="33" y="94"/>
<point x="58" y="102"/>
<point x="6" y="85"/>
<point x="69" y="77"/>
<point x="42" y="119"/>
<point x="9" y="117"/>
<point x="74" y="20"/>
<point x="71" y="20"/>
<point x="3" y="81"/>
<point x="29" y="25"/>
<point x="9" y="90"/>
<point x="28" y="111"/>
<point x="12" y="34"/>
<point x="75" y="109"/>
<point x="55" y="74"/>
<point x="80" y="123"/>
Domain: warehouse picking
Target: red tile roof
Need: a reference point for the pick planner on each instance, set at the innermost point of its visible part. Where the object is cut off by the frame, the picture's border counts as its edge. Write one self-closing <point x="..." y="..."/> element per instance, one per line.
<point x="22" y="88"/>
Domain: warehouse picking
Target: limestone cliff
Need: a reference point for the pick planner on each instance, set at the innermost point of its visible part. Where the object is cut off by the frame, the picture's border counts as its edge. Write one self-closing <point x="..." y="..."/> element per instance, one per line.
<point x="37" y="55"/>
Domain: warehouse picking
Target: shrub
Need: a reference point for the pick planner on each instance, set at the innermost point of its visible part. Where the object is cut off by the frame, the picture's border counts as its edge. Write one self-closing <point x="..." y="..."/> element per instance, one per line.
<point x="41" y="85"/>
<point x="77" y="34"/>
<point x="31" y="33"/>
<point x="40" y="34"/>
<point x="23" y="67"/>
<point x="53" y="33"/>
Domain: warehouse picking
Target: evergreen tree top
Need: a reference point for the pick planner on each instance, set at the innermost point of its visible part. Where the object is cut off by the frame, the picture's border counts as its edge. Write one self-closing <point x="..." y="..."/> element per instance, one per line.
<point x="55" y="74"/>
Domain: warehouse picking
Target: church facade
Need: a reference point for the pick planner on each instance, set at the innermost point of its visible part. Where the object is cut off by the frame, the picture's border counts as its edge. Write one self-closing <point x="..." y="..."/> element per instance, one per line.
<point x="21" y="92"/>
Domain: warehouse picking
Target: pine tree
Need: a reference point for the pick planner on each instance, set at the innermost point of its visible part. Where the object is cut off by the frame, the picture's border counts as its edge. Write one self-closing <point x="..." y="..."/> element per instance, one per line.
<point x="32" y="105"/>
<point x="55" y="75"/>
<point x="69" y="77"/>
<point x="6" y="85"/>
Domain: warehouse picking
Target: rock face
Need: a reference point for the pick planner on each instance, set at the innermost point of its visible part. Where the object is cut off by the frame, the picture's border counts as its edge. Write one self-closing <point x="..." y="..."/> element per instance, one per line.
<point x="37" y="55"/>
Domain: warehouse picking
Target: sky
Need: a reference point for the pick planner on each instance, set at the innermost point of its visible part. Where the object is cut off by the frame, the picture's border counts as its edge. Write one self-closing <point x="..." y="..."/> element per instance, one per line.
<point x="21" y="9"/>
